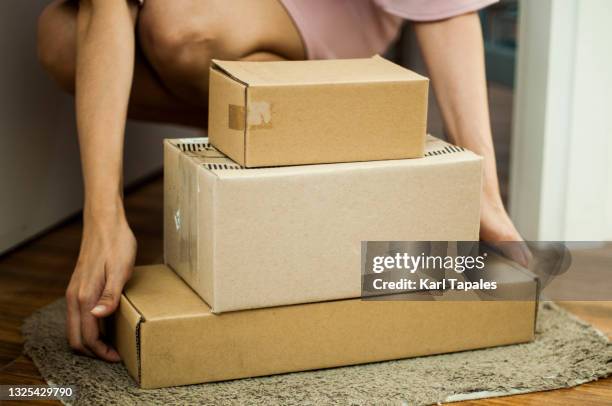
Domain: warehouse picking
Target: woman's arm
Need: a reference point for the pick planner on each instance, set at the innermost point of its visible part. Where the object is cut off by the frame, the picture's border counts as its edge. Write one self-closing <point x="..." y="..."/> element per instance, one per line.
<point x="105" y="64"/>
<point x="454" y="54"/>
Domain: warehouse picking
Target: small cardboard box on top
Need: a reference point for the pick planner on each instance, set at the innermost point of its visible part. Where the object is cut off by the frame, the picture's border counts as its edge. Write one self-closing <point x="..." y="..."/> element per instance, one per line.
<point x="167" y="336"/>
<point x="308" y="112"/>
<point x="253" y="238"/>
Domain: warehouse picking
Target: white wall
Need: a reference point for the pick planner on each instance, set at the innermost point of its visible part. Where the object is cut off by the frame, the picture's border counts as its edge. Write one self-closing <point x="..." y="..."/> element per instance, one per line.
<point x="589" y="198"/>
<point x="40" y="179"/>
<point x="561" y="169"/>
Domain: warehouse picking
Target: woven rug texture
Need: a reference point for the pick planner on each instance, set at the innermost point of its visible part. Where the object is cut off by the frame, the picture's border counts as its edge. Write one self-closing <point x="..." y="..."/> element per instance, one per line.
<point x="566" y="353"/>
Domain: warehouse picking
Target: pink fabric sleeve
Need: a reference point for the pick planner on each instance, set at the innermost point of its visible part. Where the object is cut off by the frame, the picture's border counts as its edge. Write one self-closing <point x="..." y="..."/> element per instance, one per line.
<point x="431" y="10"/>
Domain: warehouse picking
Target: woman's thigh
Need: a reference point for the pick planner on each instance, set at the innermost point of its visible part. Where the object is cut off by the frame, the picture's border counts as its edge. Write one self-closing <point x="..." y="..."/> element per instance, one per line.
<point x="56" y="41"/>
<point x="149" y="100"/>
<point x="180" y="37"/>
<point x="232" y="28"/>
<point x="177" y="39"/>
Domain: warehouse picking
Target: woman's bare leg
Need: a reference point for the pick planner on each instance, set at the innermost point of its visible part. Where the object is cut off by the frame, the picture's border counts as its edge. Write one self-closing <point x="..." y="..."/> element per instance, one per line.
<point x="176" y="41"/>
<point x="180" y="38"/>
<point x="149" y="99"/>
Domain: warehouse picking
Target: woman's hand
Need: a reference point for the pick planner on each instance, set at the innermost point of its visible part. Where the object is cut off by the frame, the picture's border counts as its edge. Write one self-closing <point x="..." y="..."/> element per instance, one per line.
<point x="495" y="224"/>
<point x="106" y="259"/>
<point x="497" y="229"/>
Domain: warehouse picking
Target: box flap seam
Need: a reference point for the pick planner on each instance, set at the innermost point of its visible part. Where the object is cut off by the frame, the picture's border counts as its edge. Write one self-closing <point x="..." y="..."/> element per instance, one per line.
<point x="141" y="320"/>
<point x="246" y="128"/>
<point x="216" y="66"/>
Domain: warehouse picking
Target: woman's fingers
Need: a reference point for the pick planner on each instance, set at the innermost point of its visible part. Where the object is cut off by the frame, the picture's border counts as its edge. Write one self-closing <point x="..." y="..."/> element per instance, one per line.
<point x="90" y="333"/>
<point x="108" y="249"/>
<point x="109" y="299"/>
<point x="73" y="323"/>
<point x="81" y="326"/>
<point x="527" y="255"/>
<point x="517" y="251"/>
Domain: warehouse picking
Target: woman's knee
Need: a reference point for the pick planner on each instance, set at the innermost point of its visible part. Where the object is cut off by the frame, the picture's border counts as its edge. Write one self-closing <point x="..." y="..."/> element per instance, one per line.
<point x="177" y="47"/>
<point x="56" y="43"/>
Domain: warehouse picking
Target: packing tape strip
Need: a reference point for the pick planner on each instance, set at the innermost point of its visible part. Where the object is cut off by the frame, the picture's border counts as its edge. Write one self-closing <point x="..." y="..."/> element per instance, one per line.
<point x="257" y="116"/>
<point x="235" y="117"/>
<point x="185" y="216"/>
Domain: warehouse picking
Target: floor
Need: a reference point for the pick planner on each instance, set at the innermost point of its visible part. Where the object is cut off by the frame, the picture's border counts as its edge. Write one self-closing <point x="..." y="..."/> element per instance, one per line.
<point x="37" y="273"/>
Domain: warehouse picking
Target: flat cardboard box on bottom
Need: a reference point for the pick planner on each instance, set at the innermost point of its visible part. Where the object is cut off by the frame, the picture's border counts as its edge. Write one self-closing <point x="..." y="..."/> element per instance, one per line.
<point x="167" y="336"/>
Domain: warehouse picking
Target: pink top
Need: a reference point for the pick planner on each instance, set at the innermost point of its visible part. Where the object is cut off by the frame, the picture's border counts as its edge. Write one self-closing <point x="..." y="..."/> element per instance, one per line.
<point x="361" y="28"/>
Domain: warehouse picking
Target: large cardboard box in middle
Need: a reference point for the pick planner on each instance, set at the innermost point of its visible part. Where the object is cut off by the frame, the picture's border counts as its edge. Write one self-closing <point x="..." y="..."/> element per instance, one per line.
<point x="252" y="238"/>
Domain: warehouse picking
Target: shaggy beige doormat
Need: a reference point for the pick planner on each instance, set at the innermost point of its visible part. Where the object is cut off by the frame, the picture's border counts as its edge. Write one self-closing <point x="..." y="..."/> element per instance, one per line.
<point x="566" y="352"/>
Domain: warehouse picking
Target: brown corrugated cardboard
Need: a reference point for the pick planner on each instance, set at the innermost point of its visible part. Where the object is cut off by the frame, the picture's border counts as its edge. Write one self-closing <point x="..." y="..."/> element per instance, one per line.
<point x="305" y="112"/>
<point x="251" y="238"/>
<point x="167" y="336"/>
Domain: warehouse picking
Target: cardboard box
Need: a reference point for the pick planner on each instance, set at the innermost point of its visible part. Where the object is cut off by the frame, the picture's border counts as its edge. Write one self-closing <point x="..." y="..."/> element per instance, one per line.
<point x="251" y="238"/>
<point x="305" y="112"/>
<point x="167" y="336"/>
